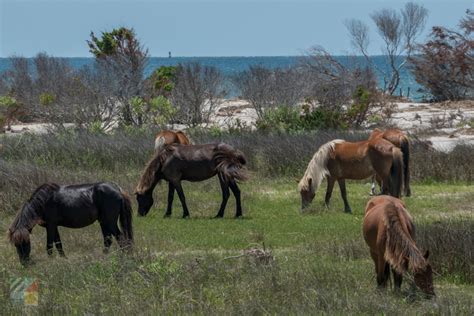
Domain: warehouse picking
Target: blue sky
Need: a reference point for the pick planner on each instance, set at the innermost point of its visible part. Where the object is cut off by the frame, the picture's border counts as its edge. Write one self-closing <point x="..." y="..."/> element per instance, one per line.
<point x="200" y="28"/>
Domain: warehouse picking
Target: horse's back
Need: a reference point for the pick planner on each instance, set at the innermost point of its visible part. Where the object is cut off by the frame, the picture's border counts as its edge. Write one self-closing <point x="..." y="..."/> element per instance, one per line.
<point x="350" y="161"/>
<point x="377" y="211"/>
<point x="182" y="138"/>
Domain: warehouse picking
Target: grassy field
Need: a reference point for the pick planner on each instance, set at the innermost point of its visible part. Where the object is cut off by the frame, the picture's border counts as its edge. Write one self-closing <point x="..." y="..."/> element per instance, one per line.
<point x="315" y="262"/>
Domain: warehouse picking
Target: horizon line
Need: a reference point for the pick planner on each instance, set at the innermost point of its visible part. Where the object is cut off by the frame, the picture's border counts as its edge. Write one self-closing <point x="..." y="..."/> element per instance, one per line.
<point x="222" y="56"/>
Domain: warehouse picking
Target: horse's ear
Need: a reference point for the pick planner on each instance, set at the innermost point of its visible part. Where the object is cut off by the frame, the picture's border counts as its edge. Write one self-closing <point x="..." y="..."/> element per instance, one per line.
<point x="427" y="254"/>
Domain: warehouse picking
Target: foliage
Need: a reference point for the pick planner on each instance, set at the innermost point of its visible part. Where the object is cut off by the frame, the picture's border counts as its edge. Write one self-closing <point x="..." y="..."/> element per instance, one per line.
<point x="444" y="64"/>
<point x="9" y="110"/>
<point x="162" y="81"/>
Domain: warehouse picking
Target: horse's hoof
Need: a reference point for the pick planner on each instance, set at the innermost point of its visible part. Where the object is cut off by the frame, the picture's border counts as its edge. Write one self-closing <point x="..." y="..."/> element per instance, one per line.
<point x="348" y="211"/>
<point x="239" y="217"/>
<point x="185" y="216"/>
<point x="167" y="215"/>
<point x="219" y="216"/>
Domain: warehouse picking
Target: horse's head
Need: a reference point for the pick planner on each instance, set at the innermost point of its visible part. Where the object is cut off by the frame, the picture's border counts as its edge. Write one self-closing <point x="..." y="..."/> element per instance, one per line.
<point x="424" y="278"/>
<point x="145" y="202"/>
<point x="21" y="239"/>
<point x="307" y="192"/>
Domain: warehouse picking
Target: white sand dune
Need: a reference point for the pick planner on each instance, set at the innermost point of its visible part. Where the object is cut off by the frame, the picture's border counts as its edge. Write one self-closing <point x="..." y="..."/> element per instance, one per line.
<point x="444" y="124"/>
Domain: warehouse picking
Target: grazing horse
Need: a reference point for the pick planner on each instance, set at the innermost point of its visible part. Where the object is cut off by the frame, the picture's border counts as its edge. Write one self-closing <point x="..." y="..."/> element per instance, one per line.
<point x="168" y="137"/>
<point x="175" y="163"/>
<point x="389" y="231"/>
<point x="399" y="139"/>
<point x="338" y="160"/>
<point x="73" y="206"/>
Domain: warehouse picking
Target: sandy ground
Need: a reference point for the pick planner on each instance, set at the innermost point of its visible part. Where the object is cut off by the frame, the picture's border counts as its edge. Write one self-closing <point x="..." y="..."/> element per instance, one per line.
<point x="444" y="124"/>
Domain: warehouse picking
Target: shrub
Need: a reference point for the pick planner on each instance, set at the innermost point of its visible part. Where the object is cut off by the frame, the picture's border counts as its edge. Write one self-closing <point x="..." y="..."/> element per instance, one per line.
<point x="444" y="64"/>
<point x="451" y="246"/>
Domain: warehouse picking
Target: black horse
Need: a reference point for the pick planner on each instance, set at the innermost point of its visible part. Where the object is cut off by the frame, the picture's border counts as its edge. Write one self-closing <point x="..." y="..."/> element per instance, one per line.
<point x="175" y="163"/>
<point x="73" y="206"/>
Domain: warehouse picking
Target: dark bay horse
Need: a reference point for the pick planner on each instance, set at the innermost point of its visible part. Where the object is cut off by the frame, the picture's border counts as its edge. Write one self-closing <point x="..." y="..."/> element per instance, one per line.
<point x="167" y="137"/>
<point x="399" y="139"/>
<point x="338" y="160"/>
<point x="389" y="231"/>
<point x="73" y="206"/>
<point x="175" y="163"/>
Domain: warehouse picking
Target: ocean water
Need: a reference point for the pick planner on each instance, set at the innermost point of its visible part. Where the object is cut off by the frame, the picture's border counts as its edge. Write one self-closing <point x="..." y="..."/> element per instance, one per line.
<point x="231" y="66"/>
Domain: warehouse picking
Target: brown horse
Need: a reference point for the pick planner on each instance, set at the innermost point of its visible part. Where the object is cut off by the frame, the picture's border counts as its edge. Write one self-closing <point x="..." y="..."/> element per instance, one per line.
<point x="389" y="231"/>
<point x="339" y="160"/>
<point x="192" y="163"/>
<point x="168" y="137"/>
<point x="399" y="139"/>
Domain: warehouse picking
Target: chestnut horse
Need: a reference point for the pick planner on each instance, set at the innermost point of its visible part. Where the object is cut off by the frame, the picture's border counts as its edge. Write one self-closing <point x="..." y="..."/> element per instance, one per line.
<point x="168" y="137"/>
<point x="192" y="163"/>
<point x="389" y="231"/>
<point x="338" y="160"/>
<point x="399" y="139"/>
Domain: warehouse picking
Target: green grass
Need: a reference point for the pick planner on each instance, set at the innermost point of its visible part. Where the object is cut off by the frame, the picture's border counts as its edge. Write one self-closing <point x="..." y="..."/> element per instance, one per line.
<point x="321" y="263"/>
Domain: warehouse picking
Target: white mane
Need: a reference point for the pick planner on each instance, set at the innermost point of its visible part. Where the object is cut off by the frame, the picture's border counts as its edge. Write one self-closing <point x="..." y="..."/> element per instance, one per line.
<point x="317" y="167"/>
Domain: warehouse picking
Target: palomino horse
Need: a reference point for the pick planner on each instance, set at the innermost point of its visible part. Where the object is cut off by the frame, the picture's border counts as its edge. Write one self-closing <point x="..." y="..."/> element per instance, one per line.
<point x="73" y="206"/>
<point x="193" y="163"/>
<point x="338" y="160"/>
<point x="389" y="231"/>
<point x="168" y="137"/>
<point x="399" y="139"/>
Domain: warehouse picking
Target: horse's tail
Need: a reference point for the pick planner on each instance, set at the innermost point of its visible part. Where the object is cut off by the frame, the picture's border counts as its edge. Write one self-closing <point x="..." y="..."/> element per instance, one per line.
<point x="230" y="163"/>
<point x="400" y="249"/>
<point x="160" y="142"/>
<point x="126" y="218"/>
<point x="317" y="169"/>
<point x="405" y="148"/>
<point x="396" y="173"/>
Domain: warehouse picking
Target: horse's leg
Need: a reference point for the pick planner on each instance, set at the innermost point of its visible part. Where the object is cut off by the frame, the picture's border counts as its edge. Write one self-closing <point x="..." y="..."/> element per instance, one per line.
<point x="375" y="259"/>
<point x="235" y="189"/>
<point x="117" y="234"/>
<point x="329" y="189"/>
<point x="179" y="189"/>
<point x="59" y="245"/>
<point x="107" y="237"/>
<point x="342" y="187"/>
<point x="397" y="280"/>
<point x="225" y="195"/>
<point x="372" y="187"/>
<point x="383" y="272"/>
<point x="170" y="199"/>
<point x="50" y="238"/>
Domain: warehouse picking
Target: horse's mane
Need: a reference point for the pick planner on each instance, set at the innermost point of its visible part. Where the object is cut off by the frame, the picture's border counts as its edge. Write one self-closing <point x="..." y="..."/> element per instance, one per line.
<point x="153" y="165"/>
<point x="317" y="168"/>
<point x="399" y="245"/>
<point x="30" y="213"/>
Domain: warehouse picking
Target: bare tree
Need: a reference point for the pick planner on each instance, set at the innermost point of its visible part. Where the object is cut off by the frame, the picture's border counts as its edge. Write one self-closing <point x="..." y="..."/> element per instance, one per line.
<point x="398" y="31"/>
<point x="267" y="88"/>
<point x="197" y="92"/>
